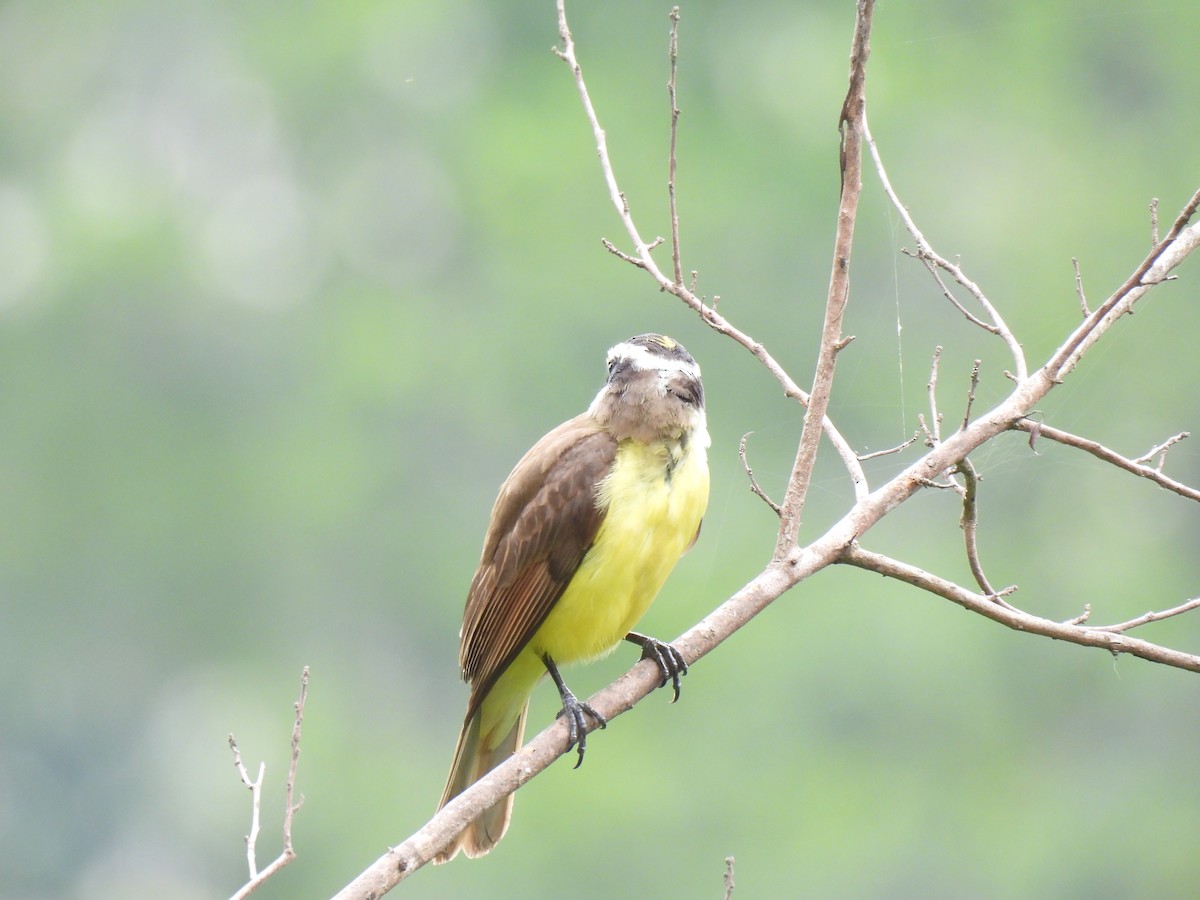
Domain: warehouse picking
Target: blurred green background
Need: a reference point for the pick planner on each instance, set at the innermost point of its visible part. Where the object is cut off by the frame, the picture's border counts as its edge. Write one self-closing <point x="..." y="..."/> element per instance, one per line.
<point x="286" y="289"/>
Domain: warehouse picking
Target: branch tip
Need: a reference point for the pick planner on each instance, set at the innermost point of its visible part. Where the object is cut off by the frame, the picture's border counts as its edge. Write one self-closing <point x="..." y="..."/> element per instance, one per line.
<point x="754" y="486"/>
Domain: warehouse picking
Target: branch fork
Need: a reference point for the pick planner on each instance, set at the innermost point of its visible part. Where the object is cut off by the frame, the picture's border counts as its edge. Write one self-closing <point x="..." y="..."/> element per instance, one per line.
<point x="290" y="808"/>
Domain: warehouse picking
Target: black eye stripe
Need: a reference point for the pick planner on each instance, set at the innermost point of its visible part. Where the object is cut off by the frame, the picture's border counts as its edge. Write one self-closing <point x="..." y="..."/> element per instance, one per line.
<point x="618" y="366"/>
<point x="687" y="390"/>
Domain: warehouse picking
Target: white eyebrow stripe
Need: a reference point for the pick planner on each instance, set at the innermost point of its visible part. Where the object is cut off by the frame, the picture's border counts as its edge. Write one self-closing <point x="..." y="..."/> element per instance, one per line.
<point x="644" y="359"/>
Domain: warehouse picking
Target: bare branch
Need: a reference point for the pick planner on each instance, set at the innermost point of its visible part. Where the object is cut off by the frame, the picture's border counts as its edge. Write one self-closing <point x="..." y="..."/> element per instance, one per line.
<point x="1079" y="288"/>
<point x="934" y="432"/>
<point x="1153" y="616"/>
<point x="933" y="261"/>
<point x="970" y="526"/>
<point x="863" y="457"/>
<point x="673" y="53"/>
<point x="255" y="786"/>
<point x="1160" y="450"/>
<point x="971" y="393"/>
<point x="1082" y="617"/>
<point x="1155" y="268"/>
<point x="1085" y="636"/>
<point x="851" y="123"/>
<point x="567" y="54"/>
<point x="612" y="248"/>
<point x="291" y="807"/>
<point x="258" y="878"/>
<point x="930" y="441"/>
<point x="728" y="877"/>
<point x="1040" y="429"/>
<point x="947" y="485"/>
<point x="754" y="487"/>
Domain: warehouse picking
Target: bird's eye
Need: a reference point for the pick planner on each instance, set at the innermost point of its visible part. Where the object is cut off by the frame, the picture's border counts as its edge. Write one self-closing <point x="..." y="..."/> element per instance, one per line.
<point x="616" y="366"/>
<point x="683" y="393"/>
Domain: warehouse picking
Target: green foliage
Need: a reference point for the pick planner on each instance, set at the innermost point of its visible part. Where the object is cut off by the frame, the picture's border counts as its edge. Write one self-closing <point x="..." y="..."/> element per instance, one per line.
<point x="286" y="290"/>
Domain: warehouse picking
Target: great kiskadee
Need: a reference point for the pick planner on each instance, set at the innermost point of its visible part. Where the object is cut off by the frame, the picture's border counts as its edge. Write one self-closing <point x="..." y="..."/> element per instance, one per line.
<point x="585" y="530"/>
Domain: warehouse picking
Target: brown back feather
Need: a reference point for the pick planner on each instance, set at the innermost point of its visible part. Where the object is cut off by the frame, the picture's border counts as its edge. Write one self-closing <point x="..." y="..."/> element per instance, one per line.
<point x="544" y="521"/>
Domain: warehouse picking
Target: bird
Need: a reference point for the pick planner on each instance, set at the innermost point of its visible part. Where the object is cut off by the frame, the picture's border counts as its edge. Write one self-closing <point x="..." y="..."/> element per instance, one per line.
<point x="582" y="536"/>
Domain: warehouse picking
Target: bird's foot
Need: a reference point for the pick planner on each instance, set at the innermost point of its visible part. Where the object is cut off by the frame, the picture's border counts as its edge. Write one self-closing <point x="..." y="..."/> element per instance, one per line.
<point x="574" y="711"/>
<point x="670" y="661"/>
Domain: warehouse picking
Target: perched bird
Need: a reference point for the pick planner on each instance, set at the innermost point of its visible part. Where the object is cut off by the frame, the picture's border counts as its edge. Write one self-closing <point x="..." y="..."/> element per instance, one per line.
<point x="585" y="530"/>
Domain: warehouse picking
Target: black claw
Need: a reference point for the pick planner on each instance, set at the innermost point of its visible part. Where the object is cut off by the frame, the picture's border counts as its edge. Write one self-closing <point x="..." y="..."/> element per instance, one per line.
<point x="574" y="710"/>
<point x="577" y="729"/>
<point x="670" y="661"/>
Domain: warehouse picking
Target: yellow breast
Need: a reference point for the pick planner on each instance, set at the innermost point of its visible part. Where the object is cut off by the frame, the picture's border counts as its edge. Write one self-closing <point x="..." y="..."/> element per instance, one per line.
<point x="655" y="496"/>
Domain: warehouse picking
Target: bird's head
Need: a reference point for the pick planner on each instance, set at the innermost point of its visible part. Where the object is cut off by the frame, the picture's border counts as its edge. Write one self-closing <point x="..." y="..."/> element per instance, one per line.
<point x="653" y="391"/>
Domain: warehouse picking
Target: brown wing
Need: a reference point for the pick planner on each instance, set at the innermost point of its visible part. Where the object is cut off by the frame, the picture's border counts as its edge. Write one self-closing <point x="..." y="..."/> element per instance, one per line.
<point x="543" y="523"/>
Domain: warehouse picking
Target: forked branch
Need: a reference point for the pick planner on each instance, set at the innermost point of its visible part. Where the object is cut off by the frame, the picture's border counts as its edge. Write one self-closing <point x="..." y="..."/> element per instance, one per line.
<point x="1038" y="430"/>
<point x="995" y="323"/>
<point x="1110" y="638"/>
<point x="287" y="854"/>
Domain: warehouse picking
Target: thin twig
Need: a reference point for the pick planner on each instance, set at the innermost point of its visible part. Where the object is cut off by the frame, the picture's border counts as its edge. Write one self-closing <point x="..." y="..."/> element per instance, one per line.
<point x="1079" y="288"/>
<point x="1160" y="450"/>
<point x="1181" y="240"/>
<point x="971" y="394"/>
<point x="933" y="261"/>
<point x="567" y="54"/>
<point x="291" y="807"/>
<point x="754" y="486"/>
<point x="612" y="248"/>
<point x="673" y="54"/>
<point x="1154" y="222"/>
<point x="925" y="430"/>
<point x="728" y="877"/>
<point x="1016" y="619"/>
<point x="970" y="526"/>
<point x="863" y="457"/>
<point x="258" y="878"/>
<point x="935" y="424"/>
<point x="1153" y="616"/>
<point x="255" y="786"/>
<point x="1082" y="617"/>
<point x="941" y="485"/>
<point x="1040" y="429"/>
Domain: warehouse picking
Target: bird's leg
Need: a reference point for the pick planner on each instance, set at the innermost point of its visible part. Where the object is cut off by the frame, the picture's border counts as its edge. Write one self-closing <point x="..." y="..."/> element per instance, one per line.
<point x="670" y="661"/>
<point x="574" y="710"/>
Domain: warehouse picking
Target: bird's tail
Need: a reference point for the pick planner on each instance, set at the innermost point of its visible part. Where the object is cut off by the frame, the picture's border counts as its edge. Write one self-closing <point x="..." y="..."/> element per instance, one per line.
<point x="473" y="760"/>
